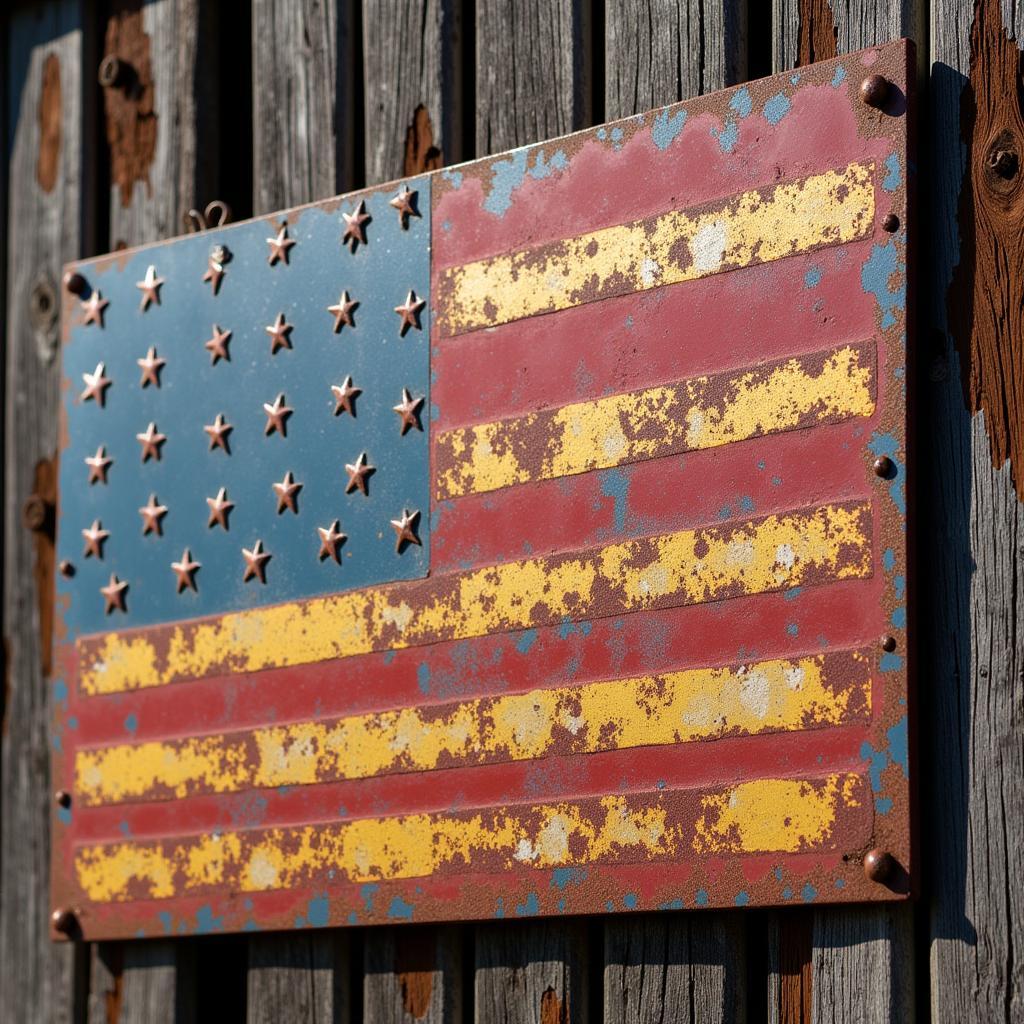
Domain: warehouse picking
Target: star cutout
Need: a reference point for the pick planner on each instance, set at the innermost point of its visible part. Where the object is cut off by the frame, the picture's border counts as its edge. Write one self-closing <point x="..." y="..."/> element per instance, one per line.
<point x="98" y="465"/>
<point x="218" y="432"/>
<point x="114" y="593"/>
<point x="405" y="204"/>
<point x="150" y="287"/>
<point x="152" y="513"/>
<point x="96" y="385"/>
<point x="409" y="311"/>
<point x="94" y="306"/>
<point x="277" y="416"/>
<point x="219" y="509"/>
<point x="342" y="312"/>
<point x="409" y="411"/>
<point x="405" y="529"/>
<point x="287" y="491"/>
<point x="279" y="331"/>
<point x="331" y="539"/>
<point x="358" y="474"/>
<point x="217" y="346"/>
<point x="214" y="274"/>
<point x="185" y="570"/>
<point x="151" y="441"/>
<point x="151" y="366"/>
<point x="279" y="246"/>
<point x="94" y="536"/>
<point x="354" y="233"/>
<point x="255" y="563"/>
<point x="345" y="395"/>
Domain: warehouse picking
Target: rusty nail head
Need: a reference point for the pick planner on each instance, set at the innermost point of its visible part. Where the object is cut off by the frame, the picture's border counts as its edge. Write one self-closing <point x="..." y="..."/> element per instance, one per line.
<point x="66" y="567"/>
<point x="884" y="466"/>
<point x="63" y="920"/>
<point x="874" y="91"/>
<point x="891" y="222"/>
<point x="1004" y="162"/>
<point x="62" y="798"/>
<point x="35" y="513"/>
<point x="878" y="864"/>
<point x="888" y="644"/>
<point x="75" y="283"/>
<point x="111" y="70"/>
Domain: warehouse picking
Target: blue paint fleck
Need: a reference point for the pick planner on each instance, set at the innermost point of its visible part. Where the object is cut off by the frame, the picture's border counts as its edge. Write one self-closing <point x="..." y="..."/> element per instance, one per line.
<point x="890" y="663"/>
<point x="675" y="904"/>
<point x="423" y="678"/>
<point x="64" y="815"/>
<point x="666" y="128"/>
<point x="446" y="225"/>
<point x="839" y="77"/>
<point x="530" y="908"/>
<point x="776" y="108"/>
<point x="318" y="911"/>
<point x="615" y="485"/>
<point x="567" y="629"/>
<point x="400" y="910"/>
<point x="883" y="805"/>
<point x="898" y="749"/>
<point x="617" y="134"/>
<point x="742" y="898"/>
<point x="792" y="629"/>
<point x="166" y="921"/>
<point x="131" y="722"/>
<point x="526" y="640"/>
<point x="728" y="135"/>
<point x="454" y="178"/>
<point x="894" y="177"/>
<point x="206" y="922"/>
<point x="888" y="559"/>
<point x="602" y="134"/>
<point x="741" y="103"/>
<point x="840" y="883"/>
<point x="60" y="692"/>
<point x="609" y="906"/>
<point x="778" y="874"/>
<point x="499" y="909"/>
<point x="813" y="277"/>
<point x="879" y="267"/>
<point x="747" y="503"/>
<point x="561" y="906"/>
<point x="808" y="893"/>
<point x="886" y="444"/>
<point x="701" y="899"/>
<point x="389" y="656"/>
<point x="899" y="586"/>
<point x="792" y="594"/>
<point x="787" y="893"/>
<point x="508" y="175"/>
<point x="776" y="481"/>
<point x="366" y="894"/>
<point x="562" y="877"/>
<point x="630" y="900"/>
<point x="73" y="722"/>
<point x="124" y="828"/>
<point x="899" y="617"/>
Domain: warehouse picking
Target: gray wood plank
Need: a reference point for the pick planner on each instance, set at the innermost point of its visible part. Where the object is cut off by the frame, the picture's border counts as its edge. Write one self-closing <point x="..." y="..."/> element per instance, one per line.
<point x="658" y="53"/>
<point x="298" y="978"/>
<point x="136" y="982"/>
<point x="412" y="86"/>
<point x="42" y="68"/>
<point x="412" y="974"/>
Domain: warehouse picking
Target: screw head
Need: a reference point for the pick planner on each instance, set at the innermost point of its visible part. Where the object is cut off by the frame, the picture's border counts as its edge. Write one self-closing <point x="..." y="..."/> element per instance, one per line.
<point x="874" y="91"/>
<point x="63" y="920"/>
<point x="62" y="798"/>
<point x="111" y="70"/>
<point x="890" y="222"/>
<point x="888" y="644"/>
<point x="884" y="466"/>
<point x="1004" y="162"/>
<point x="878" y="864"/>
<point x="75" y="282"/>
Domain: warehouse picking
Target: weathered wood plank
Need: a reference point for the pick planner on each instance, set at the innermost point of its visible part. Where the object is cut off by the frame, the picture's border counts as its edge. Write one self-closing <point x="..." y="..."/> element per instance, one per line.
<point x="298" y="978"/>
<point x="412" y="974"/>
<point x="47" y="172"/>
<point x="658" y="53"/>
<point x="140" y="981"/>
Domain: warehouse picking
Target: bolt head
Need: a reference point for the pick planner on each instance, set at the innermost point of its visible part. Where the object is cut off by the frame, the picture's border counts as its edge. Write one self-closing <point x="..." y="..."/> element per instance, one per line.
<point x="890" y="222"/>
<point x="884" y="466"/>
<point x="63" y="920"/>
<point x="888" y="644"/>
<point x="874" y="91"/>
<point x="75" y="283"/>
<point x="878" y="864"/>
<point x="62" y="798"/>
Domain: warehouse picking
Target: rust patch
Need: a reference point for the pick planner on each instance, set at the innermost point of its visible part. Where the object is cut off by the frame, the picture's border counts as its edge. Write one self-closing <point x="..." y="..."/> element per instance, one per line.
<point x="817" y="32"/>
<point x="421" y="154"/>
<point x="795" y="977"/>
<point x="552" y="1009"/>
<point x="985" y="312"/>
<point x="49" y="124"/>
<point x="414" y="964"/>
<point x="128" y="103"/>
<point x="45" y="488"/>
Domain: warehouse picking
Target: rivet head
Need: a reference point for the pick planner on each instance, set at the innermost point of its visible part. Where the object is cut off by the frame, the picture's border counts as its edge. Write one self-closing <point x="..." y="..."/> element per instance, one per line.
<point x="67" y="568"/>
<point x="878" y="864"/>
<point x="890" y="222"/>
<point x="63" y="920"/>
<point x="884" y="466"/>
<point x="874" y="91"/>
<point x="62" y="798"/>
<point x="888" y="644"/>
<point x="75" y="282"/>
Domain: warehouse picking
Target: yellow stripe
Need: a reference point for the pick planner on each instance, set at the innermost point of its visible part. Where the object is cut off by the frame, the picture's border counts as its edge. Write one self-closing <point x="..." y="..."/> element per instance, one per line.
<point x="771" y="815"/>
<point x="677" y="707"/>
<point x="704" y="412"/>
<point x="754" y="227"/>
<point x="689" y="567"/>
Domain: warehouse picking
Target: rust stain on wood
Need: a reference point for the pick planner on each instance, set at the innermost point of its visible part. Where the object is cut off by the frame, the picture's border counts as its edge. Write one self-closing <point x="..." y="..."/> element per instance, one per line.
<point x="552" y="1009"/>
<point x="795" y="978"/>
<point x="421" y="154"/>
<point x="45" y="487"/>
<point x="129" y="103"/>
<point x="49" y="124"/>
<point x="986" y="314"/>
<point x="817" y="32"/>
<point x="414" y="965"/>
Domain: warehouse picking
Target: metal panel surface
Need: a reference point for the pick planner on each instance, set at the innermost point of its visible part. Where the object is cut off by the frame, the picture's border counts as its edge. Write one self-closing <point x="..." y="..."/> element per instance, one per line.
<point x="619" y="618"/>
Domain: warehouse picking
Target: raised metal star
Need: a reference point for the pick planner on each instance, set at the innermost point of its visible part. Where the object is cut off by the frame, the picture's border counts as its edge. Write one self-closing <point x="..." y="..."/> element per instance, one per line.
<point x="214" y="274"/>
<point x="255" y="563"/>
<point x="96" y="384"/>
<point x="217" y="346"/>
<point x="279" y="332"/>
<point x="358" y="473"/>
<point x="342" y="312"/>
<point x="185" y="570"/>
<point x="219" y="509"/>
<point x="409" y="411"/>
<point x="150" y="287"/>
<point x="279" y="246"/>
<point x="277" y="416"/>
<point x="218" y="433"/>
<point x="98" y="465"/>
<point x="94" y="536"/>
<point x="151" y="366"/>
<point x="409" y="311"/>
<point x="114" y="593"/>
<point x="405" y="529"/>
<point x="94" y="306"/>
<point x="152" y="513"/>
<point x="151" y="441"/>
<point x="287" y="491"/>
<point x="331" y="538"/>
<point x="345" y="395"/>
<point x="354" y="233"/>
<point x="405" y="204"/>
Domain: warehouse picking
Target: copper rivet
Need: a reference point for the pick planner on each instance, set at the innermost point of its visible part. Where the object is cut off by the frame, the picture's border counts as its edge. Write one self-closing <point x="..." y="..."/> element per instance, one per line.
<point x="75" y="283"/>
<point x="878" y="865"/>
<point x="891" y="222"/>
<point x="883" y="466"/>
<point x="874" y="91"/>
<point x="888" y="644"/>
<point x="62" y="798"/>
<point x="66" y="568"/>
<point x="63" y="920"/>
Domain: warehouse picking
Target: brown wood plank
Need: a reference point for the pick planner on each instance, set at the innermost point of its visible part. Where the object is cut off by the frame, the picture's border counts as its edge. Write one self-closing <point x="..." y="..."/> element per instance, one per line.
<point x="42" y="68"/>
<point x="299" y="977"/>
<point x="412" y="974"/>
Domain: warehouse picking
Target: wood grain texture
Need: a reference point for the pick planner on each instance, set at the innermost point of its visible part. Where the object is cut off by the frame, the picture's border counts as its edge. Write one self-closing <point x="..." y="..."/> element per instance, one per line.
<point x="303" y="65"/>
<point x="132" y="983"/>
<point x="657" y="53"/>
<point x="412" y="974"/>
<point x="299" y="979"/>
<point x="411" y="60"/>
<point x="685" y="968"/>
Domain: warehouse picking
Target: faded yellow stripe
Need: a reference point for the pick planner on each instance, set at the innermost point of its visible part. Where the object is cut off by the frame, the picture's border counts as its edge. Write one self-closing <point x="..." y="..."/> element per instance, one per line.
<point x="754" y="227"/>
<point x="771" y="815"/>
<point x="677" y="707"/>
<point x="703" y="412"/>
<point x="688" y="567"/>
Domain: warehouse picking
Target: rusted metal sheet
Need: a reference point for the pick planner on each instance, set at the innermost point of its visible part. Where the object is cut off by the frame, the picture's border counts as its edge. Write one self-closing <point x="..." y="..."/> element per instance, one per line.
<point x="528" y="537"/>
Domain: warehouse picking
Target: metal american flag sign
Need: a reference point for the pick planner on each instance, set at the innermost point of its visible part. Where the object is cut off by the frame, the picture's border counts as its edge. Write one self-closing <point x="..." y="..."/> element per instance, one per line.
<point x="524" y="538"/>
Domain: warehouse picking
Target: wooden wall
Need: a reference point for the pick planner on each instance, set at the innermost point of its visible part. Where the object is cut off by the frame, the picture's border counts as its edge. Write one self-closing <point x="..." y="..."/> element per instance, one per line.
<point x="276" y="102"/>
